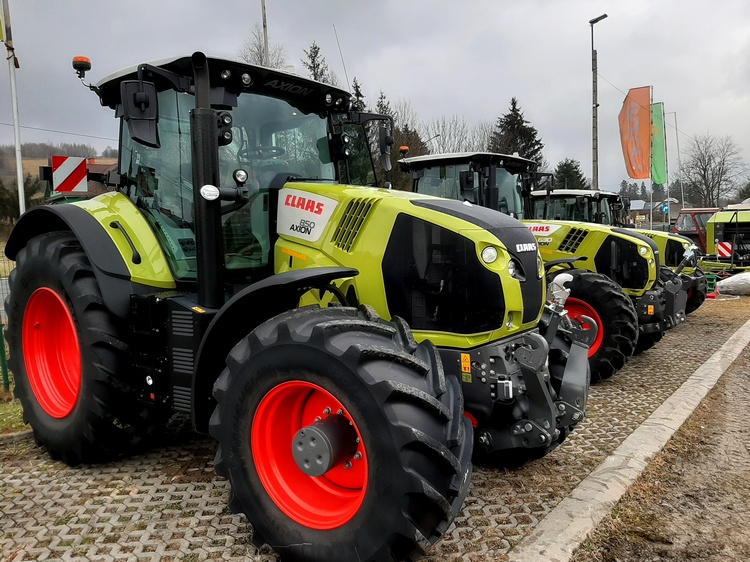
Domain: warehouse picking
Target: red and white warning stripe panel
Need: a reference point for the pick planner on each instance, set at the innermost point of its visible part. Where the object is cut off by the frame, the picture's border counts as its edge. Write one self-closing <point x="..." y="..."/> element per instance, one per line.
<point x="69" y="174"/>
<point x="724" y="249"/>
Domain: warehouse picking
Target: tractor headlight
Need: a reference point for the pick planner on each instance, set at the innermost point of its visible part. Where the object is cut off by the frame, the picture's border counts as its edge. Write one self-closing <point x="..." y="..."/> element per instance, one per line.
<point x="643" y="250"/>
<point x="651" y="261"/>
<point x="509" y="322"/>
<point x="489" y="255"/>
<point x="685" y="245"/>
<point x="539" y="266"/>
<point x="512" y="268"/>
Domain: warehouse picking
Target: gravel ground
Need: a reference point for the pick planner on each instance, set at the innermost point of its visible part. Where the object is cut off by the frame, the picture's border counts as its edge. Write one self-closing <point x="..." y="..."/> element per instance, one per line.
<point x="168" y="504"/>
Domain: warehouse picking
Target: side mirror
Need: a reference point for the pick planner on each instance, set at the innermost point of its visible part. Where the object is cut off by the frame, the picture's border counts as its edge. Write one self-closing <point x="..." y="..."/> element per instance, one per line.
<point x="580" y="203"/>
<point x="385" y="142"/>
<point x="466" y="182"/>
<point x="140" y="110"/>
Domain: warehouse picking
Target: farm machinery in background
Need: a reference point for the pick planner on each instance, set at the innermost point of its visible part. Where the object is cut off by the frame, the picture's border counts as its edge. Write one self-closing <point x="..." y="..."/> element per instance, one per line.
<point x="348" y="346"/>
<point x="616" y="271"/>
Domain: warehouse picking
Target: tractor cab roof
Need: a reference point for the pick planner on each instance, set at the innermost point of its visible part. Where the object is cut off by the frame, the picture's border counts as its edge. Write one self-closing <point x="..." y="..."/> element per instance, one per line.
<point x="512" y="163"/>
<point x="229" y="78"/>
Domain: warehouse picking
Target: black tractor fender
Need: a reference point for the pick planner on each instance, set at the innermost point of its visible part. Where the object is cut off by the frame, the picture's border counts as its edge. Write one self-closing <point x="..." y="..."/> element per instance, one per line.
<point x="239" y="316"/>
<point x="108" y="264"/>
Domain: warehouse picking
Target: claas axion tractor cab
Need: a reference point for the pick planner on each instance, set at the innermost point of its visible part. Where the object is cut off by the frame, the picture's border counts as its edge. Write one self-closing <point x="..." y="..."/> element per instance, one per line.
<point x="246" y="270"/>
<point x="605" y="261"/>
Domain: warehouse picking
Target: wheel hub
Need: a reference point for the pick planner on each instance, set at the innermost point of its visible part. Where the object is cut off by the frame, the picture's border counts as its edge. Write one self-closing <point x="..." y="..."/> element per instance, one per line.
<point x="328" y="442"/>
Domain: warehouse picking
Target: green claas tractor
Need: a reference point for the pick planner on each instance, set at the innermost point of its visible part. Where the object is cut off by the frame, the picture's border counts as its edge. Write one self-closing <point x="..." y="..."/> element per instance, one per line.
<point x="678" y="253"/>
<point x="348" y="346"/>
<point x="615" y="271"/>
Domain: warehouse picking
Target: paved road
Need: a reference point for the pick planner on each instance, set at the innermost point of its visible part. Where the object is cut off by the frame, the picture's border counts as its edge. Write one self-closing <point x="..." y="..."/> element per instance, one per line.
<point x="168" y="504"/>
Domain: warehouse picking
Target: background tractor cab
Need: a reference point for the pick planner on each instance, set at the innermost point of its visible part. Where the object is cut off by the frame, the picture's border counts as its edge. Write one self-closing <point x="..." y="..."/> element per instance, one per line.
<point x="692" y="222"/>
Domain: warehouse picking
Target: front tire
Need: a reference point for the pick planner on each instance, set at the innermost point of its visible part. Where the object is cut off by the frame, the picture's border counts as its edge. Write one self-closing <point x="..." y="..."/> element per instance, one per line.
<point x="70" y="357"/>
<point x="598" y="297"/>
<point x="647" y="340"/>
<point x="396" y="460"/>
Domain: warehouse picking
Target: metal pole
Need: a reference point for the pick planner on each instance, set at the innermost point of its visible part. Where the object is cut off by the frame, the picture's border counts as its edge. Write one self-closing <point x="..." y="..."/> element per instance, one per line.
<point x="12" y="65"/>
<point x="594" y="111"/>
<point x="266" y="54"/>
<point x="679" y="161"/>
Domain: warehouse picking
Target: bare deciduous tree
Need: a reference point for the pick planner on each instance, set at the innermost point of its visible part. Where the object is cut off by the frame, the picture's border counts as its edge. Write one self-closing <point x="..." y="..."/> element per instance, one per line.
<point x="252" y="50"/>
<point x="712" y="170"/>
<point x="481" y="136"/>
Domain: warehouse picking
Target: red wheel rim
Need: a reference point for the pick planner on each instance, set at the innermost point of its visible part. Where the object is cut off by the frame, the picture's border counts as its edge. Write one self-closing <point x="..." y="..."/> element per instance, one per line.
<point x="322" y="502"/>
<point x="577" y="309"/>
<point x="51" y="353"/>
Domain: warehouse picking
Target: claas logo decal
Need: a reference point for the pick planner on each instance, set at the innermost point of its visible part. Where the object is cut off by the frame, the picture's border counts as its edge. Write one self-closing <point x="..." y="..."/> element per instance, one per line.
<point x="305" y="204"/>
<point x="304" y="215"/>
<point x="541" y="229"/>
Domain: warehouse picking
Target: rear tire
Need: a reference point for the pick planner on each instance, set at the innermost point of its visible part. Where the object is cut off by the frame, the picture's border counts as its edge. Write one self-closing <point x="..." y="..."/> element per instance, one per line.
<point x="597" y="296"/>
<point x="70" y="357"/>
<point x="411" y="470"/>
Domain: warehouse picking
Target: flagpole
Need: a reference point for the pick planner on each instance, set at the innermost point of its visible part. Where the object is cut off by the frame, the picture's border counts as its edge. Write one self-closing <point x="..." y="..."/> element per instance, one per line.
<point x="651" y="149"/>
<point x="666" y="166"/>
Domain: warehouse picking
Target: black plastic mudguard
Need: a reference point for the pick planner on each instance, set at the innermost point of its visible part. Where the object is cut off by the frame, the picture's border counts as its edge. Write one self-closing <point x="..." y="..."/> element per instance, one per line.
<point x="109" y="266"/>
<point x="240" y="315"/>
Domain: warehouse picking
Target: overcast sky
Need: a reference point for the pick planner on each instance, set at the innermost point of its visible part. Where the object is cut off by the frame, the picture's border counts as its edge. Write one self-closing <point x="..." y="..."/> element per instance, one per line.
<point x="443" y="56"/>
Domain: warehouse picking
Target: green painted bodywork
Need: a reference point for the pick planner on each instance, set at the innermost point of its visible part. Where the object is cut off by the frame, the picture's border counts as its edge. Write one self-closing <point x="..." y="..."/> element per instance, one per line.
<point x="367" y="251"/>
<point x="114" y="206"/>
<point x="551" y="234"/>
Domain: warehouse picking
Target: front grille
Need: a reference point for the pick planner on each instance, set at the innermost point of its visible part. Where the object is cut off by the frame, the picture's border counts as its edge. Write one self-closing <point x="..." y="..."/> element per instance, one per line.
<point x="434" y="280"/>
<point x="351" y="223"/>
<point x="573" y="240"/>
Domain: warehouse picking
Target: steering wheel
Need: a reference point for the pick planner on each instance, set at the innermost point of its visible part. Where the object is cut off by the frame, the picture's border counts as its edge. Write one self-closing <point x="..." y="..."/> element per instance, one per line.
<point x="261" y="152"/>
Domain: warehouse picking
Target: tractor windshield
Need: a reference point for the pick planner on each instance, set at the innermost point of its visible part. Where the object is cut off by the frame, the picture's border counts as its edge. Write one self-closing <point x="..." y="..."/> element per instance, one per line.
<point x="443" y="181"/>
<point x="271" y="138"/>
<point x="569" y="209"/>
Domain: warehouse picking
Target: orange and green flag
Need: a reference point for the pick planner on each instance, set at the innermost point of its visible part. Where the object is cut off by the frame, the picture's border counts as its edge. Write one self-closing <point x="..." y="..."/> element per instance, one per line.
<point x="658" y="145"/>
<point x="635" y="132"/>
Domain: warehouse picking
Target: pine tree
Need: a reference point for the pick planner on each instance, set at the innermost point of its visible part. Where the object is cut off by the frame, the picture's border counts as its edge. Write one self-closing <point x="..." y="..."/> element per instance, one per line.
<point x="316" y="64"/>
<point x="383" y="106"/>
<point x="568" y="175"/>
<point x="514" y="134"/>
<point x="358" y="103"/>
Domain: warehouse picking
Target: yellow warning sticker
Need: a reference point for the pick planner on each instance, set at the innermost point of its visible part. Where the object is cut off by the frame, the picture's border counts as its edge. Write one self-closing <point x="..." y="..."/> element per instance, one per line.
<point x="465" y="363"/>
